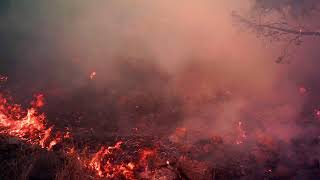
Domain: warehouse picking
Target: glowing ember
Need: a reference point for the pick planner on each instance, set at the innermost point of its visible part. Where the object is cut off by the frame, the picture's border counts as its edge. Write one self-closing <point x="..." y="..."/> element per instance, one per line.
<point x="242" y="134"/>
<point x="302" y="90"/>
<point x="52" y="143"/>
<point x="93" y="75"/>
<point x="39" y="101"/>
<point x="317" y="113"/>
<point x="3" y="78"/>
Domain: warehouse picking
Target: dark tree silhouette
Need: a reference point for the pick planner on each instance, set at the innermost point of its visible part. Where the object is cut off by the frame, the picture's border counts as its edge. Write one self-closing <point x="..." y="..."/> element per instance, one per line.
<point x="280" y="20"/>
<point x="294" y="8"/>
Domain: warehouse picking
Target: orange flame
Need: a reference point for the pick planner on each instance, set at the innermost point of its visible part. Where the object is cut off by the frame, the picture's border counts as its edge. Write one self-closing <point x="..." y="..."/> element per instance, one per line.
<point x="30" y="125"/>
<point x="101" y="163"/>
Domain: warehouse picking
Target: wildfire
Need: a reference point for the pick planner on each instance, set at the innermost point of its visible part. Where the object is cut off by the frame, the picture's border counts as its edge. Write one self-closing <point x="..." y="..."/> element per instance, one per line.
<point x="101" y="163"/>
<point x="45" y="137"/>
<point x="30" y="126"/>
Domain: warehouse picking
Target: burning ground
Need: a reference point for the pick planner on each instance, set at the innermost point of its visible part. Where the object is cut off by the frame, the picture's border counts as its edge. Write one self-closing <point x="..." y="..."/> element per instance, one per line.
<point x="68" y="154"/>
<point x="142" y="133"/>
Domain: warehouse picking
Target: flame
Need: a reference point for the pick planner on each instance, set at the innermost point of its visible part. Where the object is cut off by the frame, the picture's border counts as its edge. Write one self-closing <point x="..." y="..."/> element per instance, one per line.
<point x="47" y="134"/>
<point x="39" y="101"/>
<point x="3" y="79"/>
<point x="101" y="163"/>
<point x="145" y="154"/>
<point x="30" y="126"/>
<point x="93" y="75"/>
<point x="242" y="134"/>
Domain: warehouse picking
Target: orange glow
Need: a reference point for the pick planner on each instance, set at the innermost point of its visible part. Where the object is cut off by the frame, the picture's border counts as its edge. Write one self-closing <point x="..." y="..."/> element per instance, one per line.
<point x="93" y="75"/>
<point x="3" y="78"/>
<point x="39" y="101"/>
<point x="302" y="90"/>
<point x="27" y="125"/>
<point x="47" y="134"/>
<point x="242" y="134"/>
<point x="30" y="126"/>
<point x="102" y="165"/>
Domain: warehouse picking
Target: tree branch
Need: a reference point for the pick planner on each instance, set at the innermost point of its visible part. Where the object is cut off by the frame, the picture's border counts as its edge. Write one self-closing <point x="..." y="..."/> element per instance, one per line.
<point x="275" y="28"/>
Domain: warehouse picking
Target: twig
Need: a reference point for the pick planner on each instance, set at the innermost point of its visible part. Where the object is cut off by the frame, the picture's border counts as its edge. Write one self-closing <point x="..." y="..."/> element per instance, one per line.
<point x="276" y="28"/>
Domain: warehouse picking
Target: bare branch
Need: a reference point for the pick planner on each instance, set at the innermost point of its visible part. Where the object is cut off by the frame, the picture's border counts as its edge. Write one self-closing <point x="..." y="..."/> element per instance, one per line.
<point x="258" y="26"/>
<point x="285" y="52"/>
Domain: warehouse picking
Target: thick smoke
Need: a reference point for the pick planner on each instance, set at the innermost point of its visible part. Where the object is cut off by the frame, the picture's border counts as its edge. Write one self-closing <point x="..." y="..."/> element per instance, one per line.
<point x="158" y="64"/>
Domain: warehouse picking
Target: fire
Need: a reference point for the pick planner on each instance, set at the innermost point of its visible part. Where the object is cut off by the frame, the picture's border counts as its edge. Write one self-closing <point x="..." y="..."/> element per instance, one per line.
<point x="317" y="113"/>
<point x="39" y="101"/>
<point x="30" y="126"/>
<point x="242" y="134"/>
<point x="3" y="78"/>
<point x="101" y="163"/>
<point x="47" y="134"/>
<point x="93" y="75"/>
<point x="302" y="90"/>
<point x="145" y="154"/>
<point x="131" y="166"/>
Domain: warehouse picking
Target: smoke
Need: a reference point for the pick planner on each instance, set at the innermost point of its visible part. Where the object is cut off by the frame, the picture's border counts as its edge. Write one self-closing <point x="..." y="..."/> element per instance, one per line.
<point x="174" y="64"/>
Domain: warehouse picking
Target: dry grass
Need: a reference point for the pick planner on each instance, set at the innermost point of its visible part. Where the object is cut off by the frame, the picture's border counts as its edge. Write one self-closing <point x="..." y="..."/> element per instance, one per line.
<point x="71" y="170"/>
